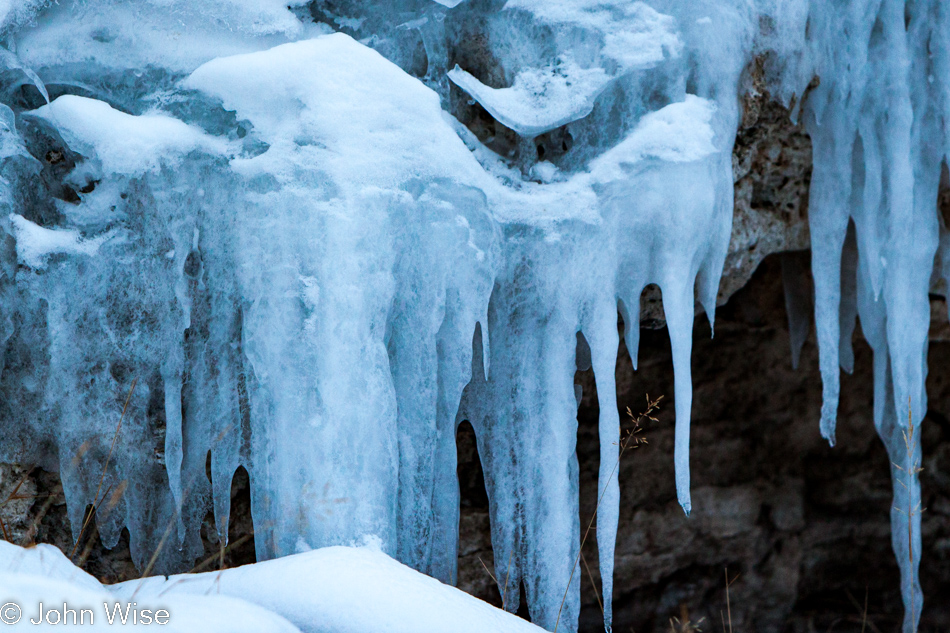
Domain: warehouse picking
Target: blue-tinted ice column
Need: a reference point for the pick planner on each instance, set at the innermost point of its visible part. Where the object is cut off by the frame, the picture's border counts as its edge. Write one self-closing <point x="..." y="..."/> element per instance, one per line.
<point x="877" y="121"/>
<point x="365" y="258"/>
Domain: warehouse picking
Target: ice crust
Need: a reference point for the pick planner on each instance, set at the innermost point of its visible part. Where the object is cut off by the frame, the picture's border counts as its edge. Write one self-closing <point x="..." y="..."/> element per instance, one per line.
<point x="291" y="257"/>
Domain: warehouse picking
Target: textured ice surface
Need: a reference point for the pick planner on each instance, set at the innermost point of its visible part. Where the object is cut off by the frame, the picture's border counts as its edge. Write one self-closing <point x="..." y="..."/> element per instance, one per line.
<point x="309" y="258"/>
<point x="634" y="34"/>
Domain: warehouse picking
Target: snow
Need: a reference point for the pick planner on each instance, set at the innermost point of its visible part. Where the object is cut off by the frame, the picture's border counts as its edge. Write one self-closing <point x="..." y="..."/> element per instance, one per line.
<point x="333" y="96"/>
<point x="679" y="133"/>
<point x="123" y="143"/>
<point x="46" y="561"/>
<point x="177" y="35"/>
<point x="35" y="244"/>
<point x="330" y="590"/>
<point x="341" y="590"/>
<point x="635" y="35"/>
<point x="185" y="614"/>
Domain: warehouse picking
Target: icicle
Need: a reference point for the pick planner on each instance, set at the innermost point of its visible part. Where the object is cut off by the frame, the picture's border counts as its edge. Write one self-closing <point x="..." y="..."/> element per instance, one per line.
<point x="828" y="222"/>
<point x="903" y="457"/>
<point x="849" y="300"/>
<point x="798" y="301"/>
<point x="677" y="305"/>
<point x="604" y="341"/>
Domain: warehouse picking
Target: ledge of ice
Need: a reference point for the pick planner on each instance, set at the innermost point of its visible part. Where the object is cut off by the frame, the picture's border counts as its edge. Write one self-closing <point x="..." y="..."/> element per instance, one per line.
<point x="539" y="100"/>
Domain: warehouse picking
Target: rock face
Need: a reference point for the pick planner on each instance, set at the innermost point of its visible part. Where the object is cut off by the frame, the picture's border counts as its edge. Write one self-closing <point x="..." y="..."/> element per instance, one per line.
<point x="802" y="528"/>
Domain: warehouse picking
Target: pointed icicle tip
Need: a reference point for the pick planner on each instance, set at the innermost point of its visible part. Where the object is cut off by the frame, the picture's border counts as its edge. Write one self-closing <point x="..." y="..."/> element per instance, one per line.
<point x="828" y="426"/>
<point x="711" y="317"/>
<point x="687" y="507"/>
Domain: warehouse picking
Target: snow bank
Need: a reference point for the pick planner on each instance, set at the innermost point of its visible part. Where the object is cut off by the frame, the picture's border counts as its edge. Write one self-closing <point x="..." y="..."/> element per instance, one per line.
<point x="331" y="590"/>
<point x="183" y="614"/>
<point x="335" y="102"/>
<point x="341" y="590"/>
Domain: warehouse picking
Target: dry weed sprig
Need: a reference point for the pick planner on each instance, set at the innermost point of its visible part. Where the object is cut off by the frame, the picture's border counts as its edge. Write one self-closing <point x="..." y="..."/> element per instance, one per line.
<point x="220" y="555"/>
<point x="593" y="584"/>
<point x="866" y="621"/>
<point x="44" y="510"/>
<point x="911" y="472"/>
<point x="504" y="597"/>
<point x="684" y="624"/>
<point x="490" y="575"/>
<point x="629" y="440"/>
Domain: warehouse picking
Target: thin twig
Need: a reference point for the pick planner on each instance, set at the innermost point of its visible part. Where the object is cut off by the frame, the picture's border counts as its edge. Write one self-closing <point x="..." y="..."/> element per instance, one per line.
<point x="11" y="496"/>
<point x="237" y="543"/>
<point x="652" y="405"/>
<point x="44" y="509"/>
<point x="592" y="583"/>
<point x="495" y="580"/>
<point x="728" y="603"/>
<point x="504" y="598"/>
<point x="864" y="616"/>
<point x="16" y="488"/>
<point x="161" y="546"/>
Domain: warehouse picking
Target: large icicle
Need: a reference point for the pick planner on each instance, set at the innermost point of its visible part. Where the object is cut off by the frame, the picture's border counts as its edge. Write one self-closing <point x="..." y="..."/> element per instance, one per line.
<point x="372" y="292"/>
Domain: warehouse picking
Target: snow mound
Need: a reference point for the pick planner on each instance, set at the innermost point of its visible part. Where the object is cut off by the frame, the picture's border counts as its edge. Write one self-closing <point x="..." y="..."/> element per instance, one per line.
<point x="334" y="102"/>
<point x="330" y="590"/>
<point x="124" y="143"/>
<point x="34" y="243"/>
<point x="179" y="613"/>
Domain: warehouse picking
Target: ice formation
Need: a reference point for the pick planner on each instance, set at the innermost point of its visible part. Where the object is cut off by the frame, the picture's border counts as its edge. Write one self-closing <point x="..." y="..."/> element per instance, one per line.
<point x="276" y="229"/>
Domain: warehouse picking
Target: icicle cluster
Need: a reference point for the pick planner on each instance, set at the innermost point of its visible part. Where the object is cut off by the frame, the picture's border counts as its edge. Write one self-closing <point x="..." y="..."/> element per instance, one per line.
<point x="878" y="114"/>
<point x="278" y="241"/>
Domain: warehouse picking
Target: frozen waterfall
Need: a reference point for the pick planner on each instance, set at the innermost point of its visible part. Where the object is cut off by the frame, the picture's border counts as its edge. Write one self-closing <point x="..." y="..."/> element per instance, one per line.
<point x="309" y="240"/>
